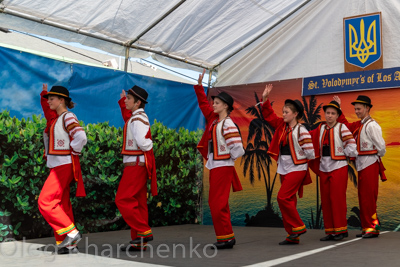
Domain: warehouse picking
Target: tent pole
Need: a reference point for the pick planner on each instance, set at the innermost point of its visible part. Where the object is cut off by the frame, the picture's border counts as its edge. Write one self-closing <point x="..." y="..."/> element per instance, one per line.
<point x="126" y="59"/>
<point x="209" y="77"/>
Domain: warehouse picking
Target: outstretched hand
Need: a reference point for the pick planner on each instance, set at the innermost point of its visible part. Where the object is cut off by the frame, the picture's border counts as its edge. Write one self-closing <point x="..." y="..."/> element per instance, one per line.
<point x="200" y="80"/>
<point x="267" y="90"/>
<point x="337" y="99"/>
<point x="44" y="87"/>
<point x="123" y="94"/>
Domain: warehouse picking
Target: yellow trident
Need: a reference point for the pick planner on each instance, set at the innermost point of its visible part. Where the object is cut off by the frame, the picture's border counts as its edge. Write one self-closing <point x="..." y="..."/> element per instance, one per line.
<point x="361" y="48"/>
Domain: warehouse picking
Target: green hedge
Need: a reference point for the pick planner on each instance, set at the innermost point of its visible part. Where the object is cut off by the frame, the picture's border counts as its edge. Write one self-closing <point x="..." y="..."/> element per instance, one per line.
<point x="23" y="172"/>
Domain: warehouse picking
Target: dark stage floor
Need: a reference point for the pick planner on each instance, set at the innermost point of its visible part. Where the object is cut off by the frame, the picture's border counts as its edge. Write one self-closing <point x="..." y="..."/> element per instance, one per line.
<point x="189" y="245"/>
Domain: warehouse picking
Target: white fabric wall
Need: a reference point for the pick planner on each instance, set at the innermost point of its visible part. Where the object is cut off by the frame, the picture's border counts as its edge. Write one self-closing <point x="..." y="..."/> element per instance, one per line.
<point x="311" y="43"/>
<point x="203" y="32"/>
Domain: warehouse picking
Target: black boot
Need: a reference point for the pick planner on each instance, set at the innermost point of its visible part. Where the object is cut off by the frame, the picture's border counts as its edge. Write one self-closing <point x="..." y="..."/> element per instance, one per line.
<point x="327" y="238"/>
<point x="285" y="242"/>
<point x="140" y="240"/>
<point x="132" y="248"/>
<point x="65" y="250"/>
<point x="224" y="245"/>
<point x="69" y="240"/>
<point x="369" y="235"/>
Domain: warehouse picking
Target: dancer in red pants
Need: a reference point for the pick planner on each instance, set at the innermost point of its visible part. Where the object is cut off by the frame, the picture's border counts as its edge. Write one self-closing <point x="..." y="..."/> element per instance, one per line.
<point x="139" y="162"/>
<point x="333" y="141"/>
<point x="64" y="139"/>
<point x="291" y="147"/>
<point x="220" y="145"/>
<point x="371" y="147"/>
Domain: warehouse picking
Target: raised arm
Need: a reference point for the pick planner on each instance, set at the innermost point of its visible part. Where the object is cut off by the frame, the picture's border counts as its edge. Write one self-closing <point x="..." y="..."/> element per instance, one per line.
<point x="126" y="114"/>
<point x="352" y="126"/>
<point x="204" y="105"/>
<point x="267" y="110"/>
<point x="49" y="114"/>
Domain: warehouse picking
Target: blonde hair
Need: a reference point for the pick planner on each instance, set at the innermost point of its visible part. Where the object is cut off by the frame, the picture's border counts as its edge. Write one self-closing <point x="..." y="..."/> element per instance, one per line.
<point x="294" y="109"/>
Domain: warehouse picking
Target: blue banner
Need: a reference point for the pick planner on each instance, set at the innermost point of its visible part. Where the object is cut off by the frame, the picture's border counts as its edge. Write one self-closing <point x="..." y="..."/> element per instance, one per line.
<point x="351" y="81"/>
<point x="95" y="91"/>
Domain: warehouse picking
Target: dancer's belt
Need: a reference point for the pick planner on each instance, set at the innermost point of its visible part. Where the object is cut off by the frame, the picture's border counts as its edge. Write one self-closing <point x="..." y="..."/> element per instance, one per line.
<point x="134" y="164"/>
<point x="285" y="150"/>
<point x="326" y="151"/>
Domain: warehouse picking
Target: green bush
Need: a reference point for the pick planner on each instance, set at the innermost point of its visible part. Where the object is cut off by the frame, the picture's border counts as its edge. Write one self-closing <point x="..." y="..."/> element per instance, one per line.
<point x="23" y="172"/>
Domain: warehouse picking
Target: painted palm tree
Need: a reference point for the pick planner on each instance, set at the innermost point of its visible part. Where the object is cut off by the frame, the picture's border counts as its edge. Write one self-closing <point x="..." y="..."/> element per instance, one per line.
<point x="256" y="157"/>
<point x="312" y="119"/>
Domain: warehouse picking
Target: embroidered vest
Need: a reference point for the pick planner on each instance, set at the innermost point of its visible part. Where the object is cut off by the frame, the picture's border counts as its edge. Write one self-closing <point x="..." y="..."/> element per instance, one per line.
<point x="365" y="146"/>
<point x="59" y="141"/>
<point x="129" y="146"/>
<point x="220" y="149"/>
<point x="335" y="141"/>
<point x="297" y="153"/>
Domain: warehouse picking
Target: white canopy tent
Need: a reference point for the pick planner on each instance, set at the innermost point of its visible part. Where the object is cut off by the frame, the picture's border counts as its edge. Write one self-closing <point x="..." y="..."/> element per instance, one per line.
<point x="246" y="41"/>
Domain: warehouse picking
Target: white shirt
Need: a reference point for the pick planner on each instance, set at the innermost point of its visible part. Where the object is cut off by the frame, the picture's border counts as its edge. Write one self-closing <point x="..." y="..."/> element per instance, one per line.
<point x="327" y="164"/>
<point x="373" y="131"/>
<point x="139" y="131"/>
<point x="285" y="162"/>
<point x="234" y="144"/>
<point x="80" y="140"/>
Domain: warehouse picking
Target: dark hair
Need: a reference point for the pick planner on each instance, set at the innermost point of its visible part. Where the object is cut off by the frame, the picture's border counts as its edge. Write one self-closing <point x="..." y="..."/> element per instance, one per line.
<point x="68" y="103"/>
<point x="135" y="99"/>
<point x="294" y="109"/>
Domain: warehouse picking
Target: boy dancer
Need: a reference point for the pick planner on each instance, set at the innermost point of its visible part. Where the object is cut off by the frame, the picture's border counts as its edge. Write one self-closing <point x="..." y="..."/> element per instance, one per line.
<point x="139" y="162"/>
<point x="371" y="147"/>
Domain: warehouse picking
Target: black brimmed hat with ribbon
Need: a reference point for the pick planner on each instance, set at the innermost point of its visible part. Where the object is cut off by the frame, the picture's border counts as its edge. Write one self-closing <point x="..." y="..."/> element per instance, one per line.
<point x="363" y="99"/>
<point x="335" y="105"/>
<point x="139" y="92"/>
<point x="58" y="90"/>
<point x="226" y="98"/>
<point x="297" y="104"/>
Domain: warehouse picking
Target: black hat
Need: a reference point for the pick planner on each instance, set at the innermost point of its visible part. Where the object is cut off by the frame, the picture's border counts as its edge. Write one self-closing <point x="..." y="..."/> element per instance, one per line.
<point x="139" y="92"/>
<point x="363" y="99"/>
<point x="333" y="104"/>
<point x="226" y="98"/>
<point x="297" y="104"/>
<point x="58" y="91"/>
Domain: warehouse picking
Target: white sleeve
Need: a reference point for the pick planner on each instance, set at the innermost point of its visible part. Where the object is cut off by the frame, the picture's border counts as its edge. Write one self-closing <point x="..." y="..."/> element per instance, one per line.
<point x="139" y="130"/>
<point x="306" y="144"/>
<point x="374" y="131"/>
<point x="349" y="143"/>
<point x="233" y="139"/>
<point x="76" y="132"/>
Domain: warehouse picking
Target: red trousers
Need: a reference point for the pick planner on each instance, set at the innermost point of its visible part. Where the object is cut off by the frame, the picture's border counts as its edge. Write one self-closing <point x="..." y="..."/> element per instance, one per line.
<point x="220" y="186"/>
<point x="131" y="200"/>
<point x="333" y="187"/>
<point x="54" y="202"/>
<point x="368" y="185"/>
<point x="287" y="200"/>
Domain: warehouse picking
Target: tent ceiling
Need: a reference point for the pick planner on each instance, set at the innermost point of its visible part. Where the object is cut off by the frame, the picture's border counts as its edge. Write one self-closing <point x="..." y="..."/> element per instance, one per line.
<point x="203" y="33"/>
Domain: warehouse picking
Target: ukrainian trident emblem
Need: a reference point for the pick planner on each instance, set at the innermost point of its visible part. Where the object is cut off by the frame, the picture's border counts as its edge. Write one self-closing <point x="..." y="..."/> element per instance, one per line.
<point x="363" y="39"/>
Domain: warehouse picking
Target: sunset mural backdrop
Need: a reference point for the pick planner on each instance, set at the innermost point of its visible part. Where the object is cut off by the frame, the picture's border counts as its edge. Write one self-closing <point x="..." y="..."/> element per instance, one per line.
<point x="251" y="206"/>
